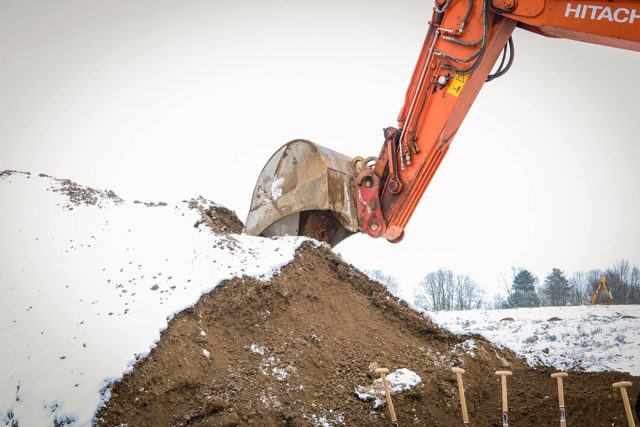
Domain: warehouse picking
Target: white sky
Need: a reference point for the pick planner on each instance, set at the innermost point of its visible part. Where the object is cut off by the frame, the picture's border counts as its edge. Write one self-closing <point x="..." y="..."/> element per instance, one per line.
<point x="164" y="100"/>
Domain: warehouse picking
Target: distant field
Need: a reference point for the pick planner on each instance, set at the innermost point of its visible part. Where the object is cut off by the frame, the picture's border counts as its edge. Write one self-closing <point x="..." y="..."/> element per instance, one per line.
<point x="593" y="338"/>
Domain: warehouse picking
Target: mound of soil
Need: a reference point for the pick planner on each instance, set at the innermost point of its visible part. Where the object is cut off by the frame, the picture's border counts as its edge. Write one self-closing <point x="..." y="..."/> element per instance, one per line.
<point x="294" y="349"/>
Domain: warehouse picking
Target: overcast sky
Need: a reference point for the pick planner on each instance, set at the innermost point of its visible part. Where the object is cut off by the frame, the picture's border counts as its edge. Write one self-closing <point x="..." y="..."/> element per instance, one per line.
<point x="164" y="100"/>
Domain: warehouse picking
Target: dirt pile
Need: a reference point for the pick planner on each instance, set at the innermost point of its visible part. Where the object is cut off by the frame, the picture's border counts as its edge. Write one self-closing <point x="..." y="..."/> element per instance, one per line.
<point x="220" y="219"/>
<point x="80" y="194"/>
<point x="294" y="350"/>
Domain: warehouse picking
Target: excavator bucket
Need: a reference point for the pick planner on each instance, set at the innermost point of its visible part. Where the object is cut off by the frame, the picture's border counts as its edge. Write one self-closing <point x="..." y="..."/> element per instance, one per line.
<point x="304" y="190"/>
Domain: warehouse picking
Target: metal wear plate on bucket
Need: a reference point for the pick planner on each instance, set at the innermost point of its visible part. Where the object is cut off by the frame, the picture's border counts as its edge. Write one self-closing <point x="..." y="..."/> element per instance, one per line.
<point x="304" y="190"/>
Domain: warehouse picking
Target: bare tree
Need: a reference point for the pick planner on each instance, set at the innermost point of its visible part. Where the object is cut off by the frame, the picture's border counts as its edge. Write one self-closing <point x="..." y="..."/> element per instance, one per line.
<point x="443" y="290"/>
<point x="499" y="301"/>
<point x="634" y="282"/>
<point x="623" y="281"/>
<point x="387" y="281"/>
<point x="435" y="290"/>
<point x="468" y="295"/>
<point x="581" y="284"/>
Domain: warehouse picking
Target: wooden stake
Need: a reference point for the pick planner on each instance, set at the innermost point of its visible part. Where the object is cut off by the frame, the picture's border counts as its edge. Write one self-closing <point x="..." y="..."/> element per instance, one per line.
<point x="563" y="415"/>
<point x="463" y="402"/>
<point x="622" y="385"/>
<point x="383" y="373"/>
<point x="505" y="406"/>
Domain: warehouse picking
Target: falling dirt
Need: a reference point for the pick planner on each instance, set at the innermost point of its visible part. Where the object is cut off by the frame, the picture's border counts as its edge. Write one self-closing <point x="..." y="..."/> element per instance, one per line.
<point x="292" y="351"/>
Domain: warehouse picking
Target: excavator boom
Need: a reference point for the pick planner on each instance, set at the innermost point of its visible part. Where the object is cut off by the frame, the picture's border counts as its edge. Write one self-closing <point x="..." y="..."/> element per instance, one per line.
<point x="309" y="190"/>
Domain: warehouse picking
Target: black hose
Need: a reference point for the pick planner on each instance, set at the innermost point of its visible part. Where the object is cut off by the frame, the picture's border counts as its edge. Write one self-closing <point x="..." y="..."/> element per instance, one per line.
<point x="501" y="71"/>
<point x="466" y="16"/>
<point x="478" y="55"/>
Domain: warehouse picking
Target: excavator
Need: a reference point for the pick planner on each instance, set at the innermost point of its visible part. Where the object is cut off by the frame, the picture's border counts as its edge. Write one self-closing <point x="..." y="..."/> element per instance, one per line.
<point x="309" y="190"/>
<point x="602" y="287"/>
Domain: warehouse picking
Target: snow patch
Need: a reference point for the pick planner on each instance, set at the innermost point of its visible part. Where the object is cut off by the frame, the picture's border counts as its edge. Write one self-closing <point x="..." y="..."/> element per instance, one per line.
<point x="400" y="380"/>
<point x="334" y="418"/>
<point x="270" y="400"/>
<point x="280" y="374"/>
<point x="270" y="365"/>
<point x="591" y="338"/>
<point x="276" y="190"/>
<point x="468" y="347"/>
<point x="258" y="350"/>
<point x="87" y="284"/>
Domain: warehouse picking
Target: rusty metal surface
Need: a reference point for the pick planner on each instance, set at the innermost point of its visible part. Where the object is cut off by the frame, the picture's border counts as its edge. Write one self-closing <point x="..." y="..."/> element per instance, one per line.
<point x="301" y="177"/>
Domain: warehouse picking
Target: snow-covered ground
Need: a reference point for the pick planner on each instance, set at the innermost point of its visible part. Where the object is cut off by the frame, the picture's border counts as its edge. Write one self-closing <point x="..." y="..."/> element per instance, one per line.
<point x="86" y="288"/>
<point x="592" y="338"/>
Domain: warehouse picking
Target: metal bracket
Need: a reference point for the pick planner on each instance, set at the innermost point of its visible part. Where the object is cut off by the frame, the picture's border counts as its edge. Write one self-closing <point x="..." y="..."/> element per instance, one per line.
<point x="368" y="200"/>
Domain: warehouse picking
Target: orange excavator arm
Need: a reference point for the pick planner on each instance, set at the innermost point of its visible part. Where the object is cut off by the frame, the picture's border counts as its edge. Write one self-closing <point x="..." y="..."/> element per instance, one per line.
<point x="464" y="41"/>
<point x="307" y="189"/>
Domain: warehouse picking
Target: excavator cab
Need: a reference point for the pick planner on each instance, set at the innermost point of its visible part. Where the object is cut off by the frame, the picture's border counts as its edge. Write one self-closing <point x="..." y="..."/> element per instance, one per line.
<point x="305" y="190"/>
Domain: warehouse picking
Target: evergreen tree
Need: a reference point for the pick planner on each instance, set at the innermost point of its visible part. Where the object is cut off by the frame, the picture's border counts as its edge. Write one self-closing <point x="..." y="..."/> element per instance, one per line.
<point x="556" y="289"/>
<point x="523" y="291"/>
<point x="524" y="282"/>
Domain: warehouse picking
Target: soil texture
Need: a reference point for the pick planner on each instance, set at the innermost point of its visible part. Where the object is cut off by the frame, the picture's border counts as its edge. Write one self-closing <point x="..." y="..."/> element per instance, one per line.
<point x="293" y="350"/>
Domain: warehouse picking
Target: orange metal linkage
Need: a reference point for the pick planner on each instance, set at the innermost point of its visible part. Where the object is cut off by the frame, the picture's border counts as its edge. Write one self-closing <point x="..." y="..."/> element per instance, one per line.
<point x="464" y="41"/>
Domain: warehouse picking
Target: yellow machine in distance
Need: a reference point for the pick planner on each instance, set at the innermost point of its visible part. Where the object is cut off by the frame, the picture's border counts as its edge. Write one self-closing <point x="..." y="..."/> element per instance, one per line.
<point x="602" y="286"/>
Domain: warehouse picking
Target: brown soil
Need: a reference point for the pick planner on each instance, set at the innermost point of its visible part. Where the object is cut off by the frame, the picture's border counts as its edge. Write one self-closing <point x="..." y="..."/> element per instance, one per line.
<point x="9" y="172"/>
<point x="76" y="194"/>
<point x="79" y="194"/>
<point x="220" y="219"/>
<point x="322" y="326"/>
<point x="319" y="225"/>
<point x="293" y="350"/>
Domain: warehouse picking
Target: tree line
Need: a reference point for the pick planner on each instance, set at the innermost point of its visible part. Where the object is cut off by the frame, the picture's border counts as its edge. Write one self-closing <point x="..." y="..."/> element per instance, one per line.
<point x="623" y="281"/>
<point x="445" y="290"/>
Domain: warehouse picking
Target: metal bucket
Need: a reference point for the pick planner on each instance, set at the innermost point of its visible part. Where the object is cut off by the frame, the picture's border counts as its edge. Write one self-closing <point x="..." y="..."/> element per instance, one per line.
<point x="305" y="190"/>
